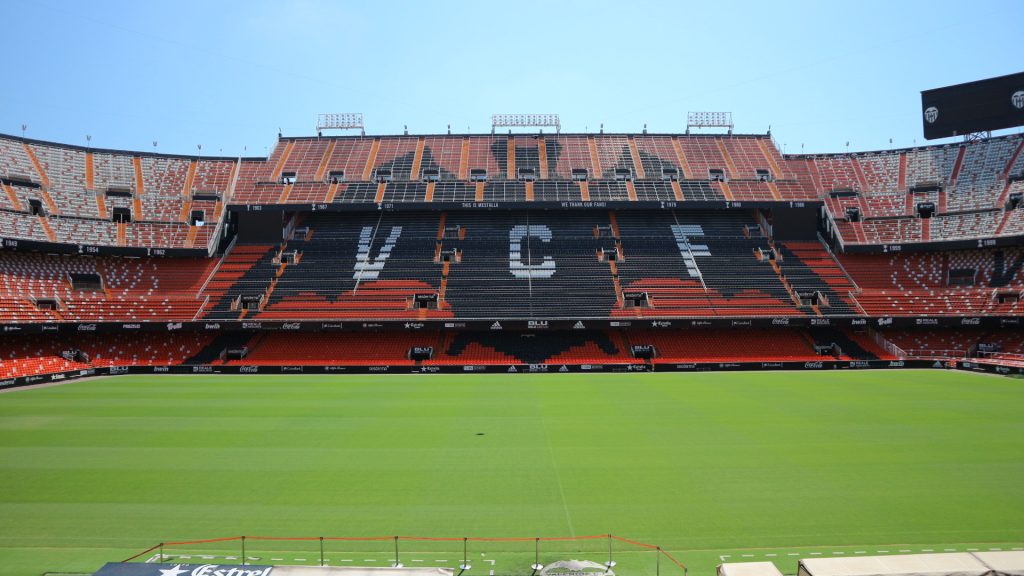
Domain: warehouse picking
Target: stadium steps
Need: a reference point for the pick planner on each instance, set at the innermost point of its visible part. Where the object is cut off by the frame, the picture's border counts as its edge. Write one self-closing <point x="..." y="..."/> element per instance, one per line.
<point x="13" y="198"/>
<point x="371" y="159"/>
<point x="122" y="232"/>
<point x="638" y="166"/>
<point x="190" y="178"/>
<point x="734" y="174"/>
<point x="542" y="157"/>
<point x="210" y="354"/>
<point x="849" y="348"/>
<point x="681" y="156"/>
<point x="140" y="183"/>
<point x="45" y="224"/>
<point x="322" y="167"/>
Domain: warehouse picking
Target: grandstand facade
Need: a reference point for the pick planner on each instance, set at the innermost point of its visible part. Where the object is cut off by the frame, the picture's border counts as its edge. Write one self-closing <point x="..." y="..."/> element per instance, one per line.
<point x="629" y="251"/>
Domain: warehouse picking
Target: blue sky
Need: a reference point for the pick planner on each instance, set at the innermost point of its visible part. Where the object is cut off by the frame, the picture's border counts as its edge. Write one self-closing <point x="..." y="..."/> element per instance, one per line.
<point x="228" y="75"/>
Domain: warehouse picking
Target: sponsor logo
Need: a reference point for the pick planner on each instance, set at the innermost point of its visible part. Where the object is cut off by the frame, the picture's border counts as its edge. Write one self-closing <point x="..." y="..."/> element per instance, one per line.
<point x="1002" y="370"/>
<point x="771" y="364"/>
<point x="161" y="368"/>
<point x="372" y="325"/>
<point x="49" y="328"/>
<point x="57" y="377"/>
<point x="1009" y="321"/>
<point x="740" y="323"/>
<point x="931" y="114"/>
<point x="474" y="368"/>
<point x="174" y="325"/>
<point x="780" y="321"/>
<point x="927" y="321"/>
<point x="335" y="369"/>
<point x="1017" y="99"/>
<point x="212" y="326"/>
<point x="291" y="368"/>
<point x="378" y="369"/>
<point x="202" y="369"/>
<point x="331" y="326"/>
<point x="859" y="322"/>
<point x="414" y="325"/>
<point x="821" y="322"/>
<point x="620" y="324"/>
<point x="248" y="369"/>
<point x="86" y="327"/>
<point x="496" y="326"/>
<point x="537" y="367"/>
<point x="885" y="321"/>
<point x="537" y="324"/>
<point x="213" y="570"/>
<point x="636" y="368"/>
<point x="291" y="326"/>
<point x="700" y="323"/>
<point x="592" y="367"/>
<point x="512" y="369"/>
<point x="117" y="370"/>
<point x="686" y="366"/>
<point x="12" y="328"/>
<point x="429" y="369"/>
<point x="454" y="324"/>
<point x="661" y="324"/>
<point x="31" y="379"/>
<point x="814" y="365"/>
<point x="131" y="326"/>
<point x="564" y="368"/>
<point x="896" y="364"/>
<point x="7" y="382"/>
<point x="860" y="364"/>
<point x="579" y="325"/>
<point x="252" y="325"/>
<point x="728" y="365"/>
<point x="970" y="321"/>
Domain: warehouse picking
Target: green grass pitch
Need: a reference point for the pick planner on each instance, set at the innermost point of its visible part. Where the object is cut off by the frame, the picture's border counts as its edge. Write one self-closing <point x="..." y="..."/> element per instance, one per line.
<point x="734" y="466"/>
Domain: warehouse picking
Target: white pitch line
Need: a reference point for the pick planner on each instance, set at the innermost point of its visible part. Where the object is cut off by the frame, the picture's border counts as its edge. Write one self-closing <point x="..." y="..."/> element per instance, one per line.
<point x="883" y="551"/>
<point x="860" y="552"/>
<point x="276" y="559"/>
<point x="748" y="555"/>
<point x="300" y="559"/>
<point x="949" y="549"/>
<point x="995" y="549"/>
<point x="972" y="549"/>
<point x="345" y="560"/>
<point x="417" y="560"/>
<point x="491" y="561"/>
<point x="927" y="550"/>
<point x="439" y="561"/>
<point x="815" y="553"/>
<point x="906" y="550"/>
<point x="770" y="555"/>
<point x="793" y="554"/>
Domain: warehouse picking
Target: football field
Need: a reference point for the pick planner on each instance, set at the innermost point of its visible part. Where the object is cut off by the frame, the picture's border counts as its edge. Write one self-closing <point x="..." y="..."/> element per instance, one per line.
<point x="710" y="467"/>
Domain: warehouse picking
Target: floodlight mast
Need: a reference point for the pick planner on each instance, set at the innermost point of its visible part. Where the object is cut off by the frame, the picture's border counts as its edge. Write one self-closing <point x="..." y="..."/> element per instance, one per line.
<point x="709" y="120"/>
<point x="525" y="121"/>
<point x="341" y="121"/>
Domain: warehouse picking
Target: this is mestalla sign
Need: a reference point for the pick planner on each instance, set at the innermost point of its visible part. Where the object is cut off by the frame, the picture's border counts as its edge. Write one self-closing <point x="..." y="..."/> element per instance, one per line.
<point x="143" y="569"/>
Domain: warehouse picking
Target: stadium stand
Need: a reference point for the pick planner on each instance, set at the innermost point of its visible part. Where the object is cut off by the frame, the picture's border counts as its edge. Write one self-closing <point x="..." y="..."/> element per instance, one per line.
<point x="634" y="231"/>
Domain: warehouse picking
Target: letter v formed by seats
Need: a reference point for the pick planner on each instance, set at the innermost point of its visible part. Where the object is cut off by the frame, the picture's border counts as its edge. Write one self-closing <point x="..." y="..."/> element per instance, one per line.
<point x="367" y="268"/>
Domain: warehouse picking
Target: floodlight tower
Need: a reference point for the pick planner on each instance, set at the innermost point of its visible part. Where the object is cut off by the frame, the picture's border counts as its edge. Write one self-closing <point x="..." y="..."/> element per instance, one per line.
<point x="525" y="121"/>
<point x="340" y="121"/>
<point x="709" y="120"/>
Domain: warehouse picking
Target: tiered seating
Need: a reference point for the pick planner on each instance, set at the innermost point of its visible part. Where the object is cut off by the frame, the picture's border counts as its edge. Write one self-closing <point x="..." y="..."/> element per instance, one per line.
<point x="578" y="347"/>
<point x="527" y="265"/>
<point x="365" y="266"/>
<point x="28" y="355"/>
<point x="334" y="349"/>
<point x="702" y="154"/>
<point x="245" y="270"/>
<point x="443" y="154"/>
<point x="881" y="172"/>
<point x="981" y="175"/>
<point x="808" y="266"/>
<point x="935" y="343"/>
<point x="836" y="172"/>
<point x="396" y="154"/>
<point x="966" y="225"/>
<point x="747" y="157"/>
<point x="657" y="152"/>
<point x="133" y="289"/>
<point x="697" y="264"/>
<point x="728" y="345"/>
<point x="917" y="284"/>
<point x="566" y="153"/>
<point x="23" y="226"/>
<point x="15" y="163"/>
<point x="931" y="165"/>
<point x="65" y="168"/>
